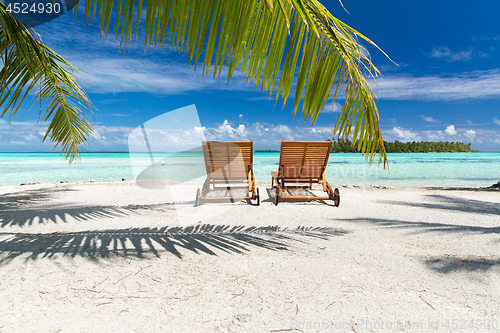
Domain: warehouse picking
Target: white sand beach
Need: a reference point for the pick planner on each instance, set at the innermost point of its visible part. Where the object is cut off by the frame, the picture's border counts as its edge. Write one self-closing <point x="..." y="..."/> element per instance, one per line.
<point x="112" y="257"/>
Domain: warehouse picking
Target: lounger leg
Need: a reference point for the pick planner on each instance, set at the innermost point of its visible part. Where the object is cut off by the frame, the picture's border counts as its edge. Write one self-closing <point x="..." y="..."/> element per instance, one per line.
<point x="325" y="188"/>
<point x="274" y="179"/>
<point x="250" y="182"/>
<point x="333" y="194"/>
<point x="206" y="188"/>
<point x="277" y="195"/>
<point x="255" y="190"/>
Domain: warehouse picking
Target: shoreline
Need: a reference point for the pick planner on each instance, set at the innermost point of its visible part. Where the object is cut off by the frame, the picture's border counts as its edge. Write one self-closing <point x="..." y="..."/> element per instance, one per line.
<point x="494" y="187"/>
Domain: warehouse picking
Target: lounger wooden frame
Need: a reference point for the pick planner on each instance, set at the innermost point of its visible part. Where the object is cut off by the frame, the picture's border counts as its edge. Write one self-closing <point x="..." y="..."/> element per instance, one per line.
<point x="228" y="163"/>
<point x="303" y="162"/>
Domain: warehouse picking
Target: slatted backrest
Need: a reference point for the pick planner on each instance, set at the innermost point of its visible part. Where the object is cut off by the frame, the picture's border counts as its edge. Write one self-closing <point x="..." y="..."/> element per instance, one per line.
<point x="229" y="160"/>
<point x="303" y="159"/>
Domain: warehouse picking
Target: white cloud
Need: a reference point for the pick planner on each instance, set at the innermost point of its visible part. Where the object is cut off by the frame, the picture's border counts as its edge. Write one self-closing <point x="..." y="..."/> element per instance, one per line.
<point x="27" y="136"/>
<point x="266" y="136"/>
<point x="113" y="74"/>
<point x="107" y="68"/>
<point x="446" y="53"/>
<point x="405" y="135"/>
<point x="284" y="131"/>
<point x="261" y="98"/>
<point x="159" y="71"/>
<point x="23" y="136"/>
<point x="95" y="135"/>
<point x="433" y="135"/>
<point x="331" y="107"/>
<point x="241" y="129"/>
<point x="241" y="115"/>
<point x="429" y="119"/>
<point x="496" y="121"/>
<point x="450" y="130"/>
<point x="477" y="84"/>
<point x="470" y="134"/>
<point x="120" y="74"/>
<point x="487" y="38"/>
<point x="225" y="128"/>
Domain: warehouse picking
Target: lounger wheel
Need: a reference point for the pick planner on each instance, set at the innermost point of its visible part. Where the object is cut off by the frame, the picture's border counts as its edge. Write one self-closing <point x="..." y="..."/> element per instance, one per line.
<point x="277" y="196"/>
<point x="336" y="197"/>
<point x="258" y="197"/>
<point x="197" y="202"/>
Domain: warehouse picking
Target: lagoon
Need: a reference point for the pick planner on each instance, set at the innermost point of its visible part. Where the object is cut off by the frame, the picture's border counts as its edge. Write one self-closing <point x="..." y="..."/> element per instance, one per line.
<point x="405" y="169"/>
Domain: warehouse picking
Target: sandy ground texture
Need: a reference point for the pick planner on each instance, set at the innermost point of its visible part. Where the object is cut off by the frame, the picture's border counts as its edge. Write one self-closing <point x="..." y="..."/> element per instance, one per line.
<point x="115" y="257"/>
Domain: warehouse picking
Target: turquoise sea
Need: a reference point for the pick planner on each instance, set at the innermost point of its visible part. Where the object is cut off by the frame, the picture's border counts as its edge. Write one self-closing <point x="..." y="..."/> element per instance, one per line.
<point x="406" y="170"/>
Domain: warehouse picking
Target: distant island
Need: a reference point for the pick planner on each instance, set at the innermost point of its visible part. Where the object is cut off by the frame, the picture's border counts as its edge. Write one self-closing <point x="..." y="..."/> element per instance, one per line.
<point x="408" y="147"/>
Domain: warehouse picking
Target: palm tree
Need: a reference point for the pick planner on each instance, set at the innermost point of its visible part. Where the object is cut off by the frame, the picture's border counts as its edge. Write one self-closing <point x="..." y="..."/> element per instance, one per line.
<point x="277" y="43"/>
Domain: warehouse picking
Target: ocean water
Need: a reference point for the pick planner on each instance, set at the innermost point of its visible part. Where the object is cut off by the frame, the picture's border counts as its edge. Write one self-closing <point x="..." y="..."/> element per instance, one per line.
<point x="406" y="170"/>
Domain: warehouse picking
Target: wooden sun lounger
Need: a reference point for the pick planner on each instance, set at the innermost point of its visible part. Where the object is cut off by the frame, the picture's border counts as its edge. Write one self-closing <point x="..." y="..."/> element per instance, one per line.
<point x="228" y="163"/>
<point x="303" y="162"/>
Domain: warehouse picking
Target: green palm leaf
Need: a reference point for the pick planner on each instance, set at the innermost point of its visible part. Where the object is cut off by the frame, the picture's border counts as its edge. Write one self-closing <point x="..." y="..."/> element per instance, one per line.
<point x="257" y="35"/>
<point x="31" y="68"/>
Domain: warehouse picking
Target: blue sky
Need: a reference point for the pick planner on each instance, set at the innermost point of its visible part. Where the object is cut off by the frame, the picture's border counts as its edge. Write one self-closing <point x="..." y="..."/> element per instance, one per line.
<point x="446" y="87"/>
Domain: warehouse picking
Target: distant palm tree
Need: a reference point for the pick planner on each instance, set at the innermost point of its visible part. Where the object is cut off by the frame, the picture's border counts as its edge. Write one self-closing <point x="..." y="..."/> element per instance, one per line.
<point x="277" y="43"/>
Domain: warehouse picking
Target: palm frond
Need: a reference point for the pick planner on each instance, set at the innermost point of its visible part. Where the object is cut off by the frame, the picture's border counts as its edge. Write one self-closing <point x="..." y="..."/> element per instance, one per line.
<point x="31" y="68"/>
<point x="279" y="44"/>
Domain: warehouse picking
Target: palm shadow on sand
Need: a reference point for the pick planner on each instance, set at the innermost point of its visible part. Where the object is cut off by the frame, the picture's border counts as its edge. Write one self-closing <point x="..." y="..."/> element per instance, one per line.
<point x="442" y="264"/>
<point x="443" y="202"/>
<point x="450" y="264"/>
<point x="446" y="264"/>
<point x="32" y="207"/>
<point x="426" y="226"/>
<point x="142" y="243"/>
